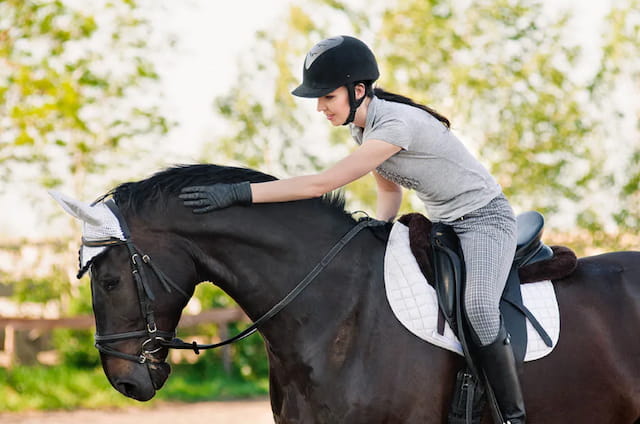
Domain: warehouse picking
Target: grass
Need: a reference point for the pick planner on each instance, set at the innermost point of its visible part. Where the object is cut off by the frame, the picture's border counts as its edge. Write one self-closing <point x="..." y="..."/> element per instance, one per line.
<point x="186" y="384"/>
<point x="64" y="387"/>
<point x="60" y="387"/>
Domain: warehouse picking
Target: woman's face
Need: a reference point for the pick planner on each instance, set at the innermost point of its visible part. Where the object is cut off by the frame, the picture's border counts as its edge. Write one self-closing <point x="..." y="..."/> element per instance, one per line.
<point x="335" y="106"/>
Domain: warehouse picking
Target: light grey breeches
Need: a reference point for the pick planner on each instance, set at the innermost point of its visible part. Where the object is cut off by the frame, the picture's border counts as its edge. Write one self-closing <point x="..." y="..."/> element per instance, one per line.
<point x="488" y="239"/>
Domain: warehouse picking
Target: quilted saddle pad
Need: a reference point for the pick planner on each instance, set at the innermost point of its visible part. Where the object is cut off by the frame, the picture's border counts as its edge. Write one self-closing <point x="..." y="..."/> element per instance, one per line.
<point x="415" y="305"/>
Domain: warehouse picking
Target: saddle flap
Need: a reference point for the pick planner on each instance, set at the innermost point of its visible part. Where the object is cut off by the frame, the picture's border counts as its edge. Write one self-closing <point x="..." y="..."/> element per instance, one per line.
<point x="448" y="269"/>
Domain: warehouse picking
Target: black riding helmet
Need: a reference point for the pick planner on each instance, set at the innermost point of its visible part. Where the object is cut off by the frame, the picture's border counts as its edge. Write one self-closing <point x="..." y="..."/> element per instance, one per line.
<point x="335" y="62"/>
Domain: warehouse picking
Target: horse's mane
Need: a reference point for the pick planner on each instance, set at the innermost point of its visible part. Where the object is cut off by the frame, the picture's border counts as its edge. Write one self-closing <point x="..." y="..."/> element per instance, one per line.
<point x="135" y="196"/>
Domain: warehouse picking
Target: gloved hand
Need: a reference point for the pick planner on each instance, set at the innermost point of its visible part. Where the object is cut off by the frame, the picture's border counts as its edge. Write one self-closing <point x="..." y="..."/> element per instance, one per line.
<point x="216" y="196"/>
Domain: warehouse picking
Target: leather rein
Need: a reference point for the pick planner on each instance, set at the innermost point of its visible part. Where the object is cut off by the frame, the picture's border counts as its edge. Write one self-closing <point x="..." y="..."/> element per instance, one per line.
<point x="157" y="339"/>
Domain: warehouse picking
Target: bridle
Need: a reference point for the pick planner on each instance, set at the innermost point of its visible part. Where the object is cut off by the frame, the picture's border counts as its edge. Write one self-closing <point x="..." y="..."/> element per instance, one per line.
<point x="157" y="339"/>
<point x="146" y="296"/>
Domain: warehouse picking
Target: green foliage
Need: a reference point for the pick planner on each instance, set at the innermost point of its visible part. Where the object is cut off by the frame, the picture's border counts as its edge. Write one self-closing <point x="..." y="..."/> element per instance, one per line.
<point x="80" y="298"/>
<point x="265" y="130"/>
<point x="248" y="356"/>
<point x="211" y="296"/>
<point x="76" y="348"/>
<point x="60" y="387"/>
<point x="619" y="72"/>
<point x="41" y="289"/>
<point x="517" y="87"/>
<point x="68" y="75"/>
<point x="207" y="380"/>
<point x="67" y="387"/>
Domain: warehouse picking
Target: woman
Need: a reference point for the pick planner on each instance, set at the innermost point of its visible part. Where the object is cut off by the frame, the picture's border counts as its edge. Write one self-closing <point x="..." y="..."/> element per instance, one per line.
<point x="405" y="144"/>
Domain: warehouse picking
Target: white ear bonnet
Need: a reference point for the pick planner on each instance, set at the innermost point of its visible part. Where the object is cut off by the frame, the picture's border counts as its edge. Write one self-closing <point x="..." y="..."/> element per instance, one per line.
<point x="98" y="223"/>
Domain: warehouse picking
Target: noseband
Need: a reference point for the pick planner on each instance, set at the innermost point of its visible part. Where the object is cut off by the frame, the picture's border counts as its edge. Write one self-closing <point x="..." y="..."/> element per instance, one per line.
<point x="156" y="339"/>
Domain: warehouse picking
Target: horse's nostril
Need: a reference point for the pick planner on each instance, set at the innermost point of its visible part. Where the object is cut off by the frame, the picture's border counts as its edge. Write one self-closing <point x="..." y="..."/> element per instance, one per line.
<point x="126" y="389"/>
<point x="139" y="390"/>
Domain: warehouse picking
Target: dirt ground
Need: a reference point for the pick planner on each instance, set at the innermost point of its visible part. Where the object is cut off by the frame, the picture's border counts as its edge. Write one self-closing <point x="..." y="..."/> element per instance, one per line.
<point x="236" y="412"/>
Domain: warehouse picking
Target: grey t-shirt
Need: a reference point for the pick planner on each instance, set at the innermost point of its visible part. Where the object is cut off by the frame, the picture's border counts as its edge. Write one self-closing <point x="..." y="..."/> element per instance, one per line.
<point x="433" y="161"/>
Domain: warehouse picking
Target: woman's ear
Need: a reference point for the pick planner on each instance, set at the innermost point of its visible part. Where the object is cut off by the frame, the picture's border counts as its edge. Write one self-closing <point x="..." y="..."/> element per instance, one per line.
<point x="360" y="90"/>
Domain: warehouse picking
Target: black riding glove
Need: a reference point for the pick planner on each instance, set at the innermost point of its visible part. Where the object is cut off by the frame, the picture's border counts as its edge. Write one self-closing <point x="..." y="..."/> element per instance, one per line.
<point x="216" y="196"/>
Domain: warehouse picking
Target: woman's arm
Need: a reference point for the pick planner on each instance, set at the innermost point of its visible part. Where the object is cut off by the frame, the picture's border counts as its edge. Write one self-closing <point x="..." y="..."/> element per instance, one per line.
<point x="359" y="163"/>
<point x="389" y="198"/>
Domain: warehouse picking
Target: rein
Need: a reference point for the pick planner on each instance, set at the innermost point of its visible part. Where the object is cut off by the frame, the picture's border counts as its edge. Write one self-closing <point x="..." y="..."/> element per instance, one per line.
<point x="157" y="339"/>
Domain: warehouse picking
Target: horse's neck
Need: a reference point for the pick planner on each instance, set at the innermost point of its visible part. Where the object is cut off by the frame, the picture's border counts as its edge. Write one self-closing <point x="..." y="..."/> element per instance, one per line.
<point x="269" y="254"/>
<point x="338" y="319"/>
<point x="258" y="254"/>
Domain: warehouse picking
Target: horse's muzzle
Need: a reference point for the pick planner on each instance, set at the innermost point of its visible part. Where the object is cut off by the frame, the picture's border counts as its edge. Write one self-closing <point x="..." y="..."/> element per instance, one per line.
<point x="159" y="372"/>
<point x="135" y="380"/>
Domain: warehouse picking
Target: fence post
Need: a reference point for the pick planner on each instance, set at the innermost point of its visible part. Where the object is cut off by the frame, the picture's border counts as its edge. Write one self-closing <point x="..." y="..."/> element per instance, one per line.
<point x="10" y="344"/>
<point x="223" y="331"/>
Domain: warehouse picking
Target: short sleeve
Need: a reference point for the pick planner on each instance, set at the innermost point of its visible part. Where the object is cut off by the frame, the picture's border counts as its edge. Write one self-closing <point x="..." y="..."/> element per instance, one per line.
<point x="356" y="133"/>
<point x="391" y="130"/>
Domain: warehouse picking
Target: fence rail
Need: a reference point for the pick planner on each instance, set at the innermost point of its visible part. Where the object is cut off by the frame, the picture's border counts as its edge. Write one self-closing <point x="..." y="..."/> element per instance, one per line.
<point x="219" y="316"/>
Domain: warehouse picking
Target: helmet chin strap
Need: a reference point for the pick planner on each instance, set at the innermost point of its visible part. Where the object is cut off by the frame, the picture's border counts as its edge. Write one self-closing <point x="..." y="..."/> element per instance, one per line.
<point x="354" y="103"/>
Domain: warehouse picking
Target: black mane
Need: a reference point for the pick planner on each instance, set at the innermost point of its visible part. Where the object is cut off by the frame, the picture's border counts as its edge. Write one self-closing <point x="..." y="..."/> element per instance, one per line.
<point x="134" y="196"/>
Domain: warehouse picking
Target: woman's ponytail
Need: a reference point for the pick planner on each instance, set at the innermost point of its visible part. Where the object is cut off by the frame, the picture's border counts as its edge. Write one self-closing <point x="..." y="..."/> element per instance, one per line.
<point x="392" y="97"/>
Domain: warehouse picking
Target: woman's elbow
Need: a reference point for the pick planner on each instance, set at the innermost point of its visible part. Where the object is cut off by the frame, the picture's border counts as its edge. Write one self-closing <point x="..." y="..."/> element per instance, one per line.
<point x="317" y="190"/>
<point x="318" y="186"/>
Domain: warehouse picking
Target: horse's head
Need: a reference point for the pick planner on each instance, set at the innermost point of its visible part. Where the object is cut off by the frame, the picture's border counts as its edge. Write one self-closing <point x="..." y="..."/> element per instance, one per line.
<point x="136" y="303"/>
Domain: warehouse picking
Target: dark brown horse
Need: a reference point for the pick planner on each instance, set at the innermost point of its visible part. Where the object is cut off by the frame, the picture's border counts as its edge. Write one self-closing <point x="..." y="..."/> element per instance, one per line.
<point x="337" y="354"/>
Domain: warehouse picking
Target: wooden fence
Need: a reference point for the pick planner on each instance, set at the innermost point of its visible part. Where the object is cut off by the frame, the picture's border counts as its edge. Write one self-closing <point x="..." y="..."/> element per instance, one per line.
<point x="10" y="325"/>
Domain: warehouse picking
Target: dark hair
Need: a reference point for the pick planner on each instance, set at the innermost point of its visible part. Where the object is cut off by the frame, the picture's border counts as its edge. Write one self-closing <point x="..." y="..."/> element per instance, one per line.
<point x="392" y="97"/>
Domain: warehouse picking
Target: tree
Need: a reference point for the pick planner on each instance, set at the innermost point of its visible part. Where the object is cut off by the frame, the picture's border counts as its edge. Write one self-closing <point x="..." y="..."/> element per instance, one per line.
<point x="617" y="75"/>
<point x="504" y="72"/>
<point x="72" y="80"/>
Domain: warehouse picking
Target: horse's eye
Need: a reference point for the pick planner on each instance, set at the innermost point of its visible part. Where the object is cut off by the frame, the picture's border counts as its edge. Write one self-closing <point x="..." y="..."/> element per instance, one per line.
<point x="110" y="284"/>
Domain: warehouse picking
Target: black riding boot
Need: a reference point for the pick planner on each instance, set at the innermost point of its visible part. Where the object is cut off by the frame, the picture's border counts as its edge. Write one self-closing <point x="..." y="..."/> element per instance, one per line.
<point x="499" y="365"/>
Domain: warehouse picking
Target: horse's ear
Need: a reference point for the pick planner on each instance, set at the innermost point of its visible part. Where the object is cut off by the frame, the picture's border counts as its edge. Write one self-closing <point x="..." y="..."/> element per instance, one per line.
<point x="80" y="210"/>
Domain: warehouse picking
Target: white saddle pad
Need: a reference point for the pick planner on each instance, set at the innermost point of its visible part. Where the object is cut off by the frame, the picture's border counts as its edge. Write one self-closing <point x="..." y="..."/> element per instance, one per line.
<point x="415" y="304"/>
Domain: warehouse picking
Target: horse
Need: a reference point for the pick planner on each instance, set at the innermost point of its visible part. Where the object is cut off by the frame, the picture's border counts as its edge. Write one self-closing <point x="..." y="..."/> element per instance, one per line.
<point x="336" y="352"/>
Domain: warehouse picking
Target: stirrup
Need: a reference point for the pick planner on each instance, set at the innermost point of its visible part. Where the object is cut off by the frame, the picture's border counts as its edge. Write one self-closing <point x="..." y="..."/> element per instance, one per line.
<point x="468" y="401"/>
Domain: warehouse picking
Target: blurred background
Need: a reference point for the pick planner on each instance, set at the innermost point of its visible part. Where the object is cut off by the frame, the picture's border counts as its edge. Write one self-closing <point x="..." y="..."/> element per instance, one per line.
<point x="93" y="94"/>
